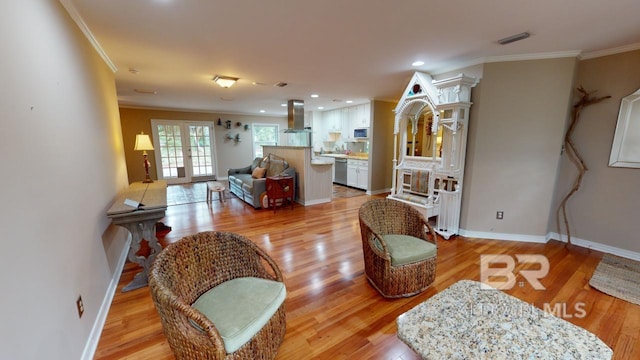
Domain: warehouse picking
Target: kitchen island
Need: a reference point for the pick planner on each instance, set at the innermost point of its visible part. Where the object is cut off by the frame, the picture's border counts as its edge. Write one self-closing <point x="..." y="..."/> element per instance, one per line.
<point x="313" y="176"/>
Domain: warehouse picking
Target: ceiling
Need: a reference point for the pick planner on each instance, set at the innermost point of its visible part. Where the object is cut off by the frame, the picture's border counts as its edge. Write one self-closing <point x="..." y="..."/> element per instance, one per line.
<point x="354" y="50"/>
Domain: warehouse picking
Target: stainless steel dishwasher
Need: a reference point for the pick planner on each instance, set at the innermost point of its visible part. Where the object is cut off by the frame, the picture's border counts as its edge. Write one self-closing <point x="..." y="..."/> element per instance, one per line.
<point x="341" y="171"/>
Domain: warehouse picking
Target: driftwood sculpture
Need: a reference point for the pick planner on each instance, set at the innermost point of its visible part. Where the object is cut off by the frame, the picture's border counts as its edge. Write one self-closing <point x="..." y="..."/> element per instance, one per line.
<point x="574" y="155"/>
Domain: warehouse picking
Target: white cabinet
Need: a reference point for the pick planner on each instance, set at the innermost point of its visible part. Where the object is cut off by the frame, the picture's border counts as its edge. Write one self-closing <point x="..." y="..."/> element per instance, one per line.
<point x="362" y="116"/>
<point x="358" y="173"/>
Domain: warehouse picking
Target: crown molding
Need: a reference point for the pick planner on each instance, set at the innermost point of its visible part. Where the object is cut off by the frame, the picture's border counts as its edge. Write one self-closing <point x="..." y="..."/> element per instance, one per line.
<point x="75" y="15"/>
<point x="612" y="51"/>
<point x="506" y="58"/>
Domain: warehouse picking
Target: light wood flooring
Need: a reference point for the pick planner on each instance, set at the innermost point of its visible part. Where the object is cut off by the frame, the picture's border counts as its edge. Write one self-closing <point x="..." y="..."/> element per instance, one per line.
<point x="332" y="311"/>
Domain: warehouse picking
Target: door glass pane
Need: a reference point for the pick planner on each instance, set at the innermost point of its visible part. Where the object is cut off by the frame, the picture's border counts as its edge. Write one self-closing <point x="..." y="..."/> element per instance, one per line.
<point x="170" y="150"/>
<point x="201" y="160"/>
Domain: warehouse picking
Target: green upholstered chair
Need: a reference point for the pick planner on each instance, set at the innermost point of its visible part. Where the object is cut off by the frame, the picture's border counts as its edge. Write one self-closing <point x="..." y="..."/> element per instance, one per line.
<point x="219" y="296"/>
<point x="399" y="248"/>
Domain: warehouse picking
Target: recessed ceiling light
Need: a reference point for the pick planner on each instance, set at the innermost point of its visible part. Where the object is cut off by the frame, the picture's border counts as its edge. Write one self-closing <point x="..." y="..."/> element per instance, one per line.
<point x="417" y="63"/>
<point x="315" y="95"/>
<point x="320" y="107"/>
<point x="262" y="111"/>
<point x="284" y="104"/>
<point x="349" y="101"/>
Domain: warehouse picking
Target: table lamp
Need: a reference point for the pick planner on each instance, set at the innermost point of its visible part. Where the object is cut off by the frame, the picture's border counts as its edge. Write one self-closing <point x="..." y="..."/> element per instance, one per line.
<point x="143" y="142"/>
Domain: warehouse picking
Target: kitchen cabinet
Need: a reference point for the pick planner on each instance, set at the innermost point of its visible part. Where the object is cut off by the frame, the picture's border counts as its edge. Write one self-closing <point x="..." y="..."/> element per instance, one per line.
<point x="358" y="173"/>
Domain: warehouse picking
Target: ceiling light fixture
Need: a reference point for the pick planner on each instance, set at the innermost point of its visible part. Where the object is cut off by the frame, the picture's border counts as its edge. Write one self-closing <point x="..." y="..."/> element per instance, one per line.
<point x="514" y="38"/>
<point x="315" y="95"/>
<point x="225" y="81"/>
<point x="417" y="63"/>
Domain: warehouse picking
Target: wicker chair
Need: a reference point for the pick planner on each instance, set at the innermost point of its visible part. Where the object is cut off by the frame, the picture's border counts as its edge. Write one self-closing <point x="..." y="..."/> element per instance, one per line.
<point x="399" y="248"/>
<point x="191" y="267"/>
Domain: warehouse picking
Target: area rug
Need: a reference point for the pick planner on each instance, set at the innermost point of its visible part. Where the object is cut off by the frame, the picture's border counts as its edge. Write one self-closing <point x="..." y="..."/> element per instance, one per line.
<point x="618" y="277"/>
<point x="465" y="321"/>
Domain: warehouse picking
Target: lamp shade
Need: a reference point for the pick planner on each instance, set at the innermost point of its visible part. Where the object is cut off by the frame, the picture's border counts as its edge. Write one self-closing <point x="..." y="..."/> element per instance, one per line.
<point x="143" y="142"/>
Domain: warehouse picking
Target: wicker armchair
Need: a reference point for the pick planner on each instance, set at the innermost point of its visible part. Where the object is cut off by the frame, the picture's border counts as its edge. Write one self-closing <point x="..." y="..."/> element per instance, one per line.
<point x="399" y="248"/>
<point x="193" y="266"/>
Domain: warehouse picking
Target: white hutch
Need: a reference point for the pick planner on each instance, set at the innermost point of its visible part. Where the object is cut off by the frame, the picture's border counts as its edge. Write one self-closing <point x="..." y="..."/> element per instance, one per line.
<point x="430" y="138"/>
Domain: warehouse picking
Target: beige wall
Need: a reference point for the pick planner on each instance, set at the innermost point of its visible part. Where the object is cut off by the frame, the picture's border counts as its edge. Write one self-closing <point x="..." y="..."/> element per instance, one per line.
<point x="605" y="209"/>
<point x="63" y="164"/>
<point x="381" y="147"/>
<point x="229" y="153"/>
<point x="515" y="136"/>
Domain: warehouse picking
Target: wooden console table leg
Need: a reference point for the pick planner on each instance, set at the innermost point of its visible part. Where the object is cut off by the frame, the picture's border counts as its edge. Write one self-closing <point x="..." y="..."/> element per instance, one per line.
<point x="144" y="229"/>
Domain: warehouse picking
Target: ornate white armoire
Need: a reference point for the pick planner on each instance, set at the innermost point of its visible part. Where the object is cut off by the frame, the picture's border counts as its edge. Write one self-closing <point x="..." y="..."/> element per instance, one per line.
<point x="430" y="138"/>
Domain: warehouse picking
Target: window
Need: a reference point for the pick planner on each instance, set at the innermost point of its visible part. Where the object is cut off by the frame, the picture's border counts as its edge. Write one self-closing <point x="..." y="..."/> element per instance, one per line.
<point x="264" y="134"/>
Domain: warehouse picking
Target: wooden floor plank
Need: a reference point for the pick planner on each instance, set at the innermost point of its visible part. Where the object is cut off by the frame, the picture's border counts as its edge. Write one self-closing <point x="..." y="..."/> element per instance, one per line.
<point x="332" y="310"/>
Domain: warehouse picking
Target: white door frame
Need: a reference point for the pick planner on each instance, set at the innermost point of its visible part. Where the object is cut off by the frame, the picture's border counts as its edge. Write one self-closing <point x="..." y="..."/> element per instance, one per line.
<point x="186" y="156"/>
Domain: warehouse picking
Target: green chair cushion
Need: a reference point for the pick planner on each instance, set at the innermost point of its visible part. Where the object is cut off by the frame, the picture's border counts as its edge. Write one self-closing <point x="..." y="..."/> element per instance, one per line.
<point x="405" y="249"/>
<point x="239" y="308"/>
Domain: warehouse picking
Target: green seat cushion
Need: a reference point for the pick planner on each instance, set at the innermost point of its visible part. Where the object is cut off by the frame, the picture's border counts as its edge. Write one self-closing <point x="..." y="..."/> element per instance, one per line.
<point x="405" y="249"/>
<point x="239" y="308"/>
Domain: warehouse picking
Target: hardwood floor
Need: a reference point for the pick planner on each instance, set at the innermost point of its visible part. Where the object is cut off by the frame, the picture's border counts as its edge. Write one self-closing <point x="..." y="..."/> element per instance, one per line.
<point x="332" y="312"/>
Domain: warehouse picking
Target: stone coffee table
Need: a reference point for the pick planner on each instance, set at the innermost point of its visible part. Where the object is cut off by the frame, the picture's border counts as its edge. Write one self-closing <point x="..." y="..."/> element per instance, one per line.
<point x="467" y="322"/>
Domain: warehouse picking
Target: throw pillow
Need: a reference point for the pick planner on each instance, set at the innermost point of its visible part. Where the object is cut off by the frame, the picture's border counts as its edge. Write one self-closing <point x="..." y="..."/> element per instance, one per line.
<point x="258" y="172"/>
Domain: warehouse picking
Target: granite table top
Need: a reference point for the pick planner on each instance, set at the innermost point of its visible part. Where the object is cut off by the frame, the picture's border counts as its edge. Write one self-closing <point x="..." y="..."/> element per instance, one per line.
<point x="467" y="322"/>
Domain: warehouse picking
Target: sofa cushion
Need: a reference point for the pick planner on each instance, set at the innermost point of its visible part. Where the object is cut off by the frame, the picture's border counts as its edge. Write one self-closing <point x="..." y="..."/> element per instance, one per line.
<point x="405" y="249"/>
<point x="239" y="308"/>
<point x="258" y="172"/>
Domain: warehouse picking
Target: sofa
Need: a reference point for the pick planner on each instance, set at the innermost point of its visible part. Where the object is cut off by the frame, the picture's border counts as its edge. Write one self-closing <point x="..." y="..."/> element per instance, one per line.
<point x="249" y="182"/>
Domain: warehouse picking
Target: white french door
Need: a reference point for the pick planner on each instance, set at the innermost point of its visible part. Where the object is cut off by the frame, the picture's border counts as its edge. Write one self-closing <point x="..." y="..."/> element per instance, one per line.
<point x="184" y="150"/>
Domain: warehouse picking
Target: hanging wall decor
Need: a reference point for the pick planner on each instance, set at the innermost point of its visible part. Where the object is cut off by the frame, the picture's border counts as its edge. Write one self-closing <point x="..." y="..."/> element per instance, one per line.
<point x="219" y="122"/>
<point x="227" y="124"/>
<point x="246" y="127"/>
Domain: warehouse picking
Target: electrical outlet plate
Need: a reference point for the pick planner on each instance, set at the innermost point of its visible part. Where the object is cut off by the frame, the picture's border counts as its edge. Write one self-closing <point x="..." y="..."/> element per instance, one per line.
<point x="500" y="215"/>
<point x="80" y="306"/>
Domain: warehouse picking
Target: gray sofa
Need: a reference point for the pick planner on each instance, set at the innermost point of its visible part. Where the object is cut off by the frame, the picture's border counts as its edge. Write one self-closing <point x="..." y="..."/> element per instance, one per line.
<point x="253" y="190"/>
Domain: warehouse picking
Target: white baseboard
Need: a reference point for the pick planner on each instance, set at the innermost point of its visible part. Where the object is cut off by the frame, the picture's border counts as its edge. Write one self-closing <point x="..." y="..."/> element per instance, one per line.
<point x="597" y="246"/>
<point x="503" y="236"/>
<point x="552" y="235"/>
<point x="376" y="192"/>
<point x="94" y="337"/>
<point x="317" y="201"/>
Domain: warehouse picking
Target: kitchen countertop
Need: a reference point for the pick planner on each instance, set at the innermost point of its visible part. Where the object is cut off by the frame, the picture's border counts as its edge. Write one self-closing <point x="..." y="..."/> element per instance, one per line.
<point x="345" y="156"/>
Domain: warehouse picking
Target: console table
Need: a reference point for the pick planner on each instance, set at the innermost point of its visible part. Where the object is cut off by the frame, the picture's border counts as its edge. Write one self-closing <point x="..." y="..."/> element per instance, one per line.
<point x="137" y="209"/>
<point x="280" y="188"/>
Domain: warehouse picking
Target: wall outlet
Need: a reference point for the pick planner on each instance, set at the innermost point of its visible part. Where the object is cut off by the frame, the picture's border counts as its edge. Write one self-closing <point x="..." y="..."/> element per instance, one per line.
<point x="500" y="215"/>
<point x="80" y="306"/>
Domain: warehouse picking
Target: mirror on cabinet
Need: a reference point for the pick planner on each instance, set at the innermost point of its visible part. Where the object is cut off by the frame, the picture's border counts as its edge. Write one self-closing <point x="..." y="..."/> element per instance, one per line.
<point x="424" y="142"/>
<point x="625" y="151"/>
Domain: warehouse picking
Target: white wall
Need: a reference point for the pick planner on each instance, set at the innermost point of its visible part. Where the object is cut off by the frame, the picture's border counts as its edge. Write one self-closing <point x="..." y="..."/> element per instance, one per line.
<point x="62" y="165"/>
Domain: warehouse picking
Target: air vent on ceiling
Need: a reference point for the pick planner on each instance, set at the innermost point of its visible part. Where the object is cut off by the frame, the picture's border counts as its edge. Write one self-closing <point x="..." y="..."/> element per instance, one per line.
<point x="514" y="38"/>
<point x="280" y="84"/>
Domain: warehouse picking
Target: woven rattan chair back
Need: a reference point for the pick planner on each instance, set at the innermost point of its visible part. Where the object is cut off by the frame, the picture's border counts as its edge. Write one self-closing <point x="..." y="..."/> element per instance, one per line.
<point x="383" y="217"/>
<point x="193" y="265"/>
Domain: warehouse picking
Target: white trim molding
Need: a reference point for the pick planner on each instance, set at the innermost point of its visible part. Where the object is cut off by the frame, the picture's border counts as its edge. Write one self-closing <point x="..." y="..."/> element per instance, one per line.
<point x="75" y="15"/>
<point x="607" y="52"/>
<point x="503" y="236"/>
<point x="96" y="331"/>
<point x="552" y="235"/>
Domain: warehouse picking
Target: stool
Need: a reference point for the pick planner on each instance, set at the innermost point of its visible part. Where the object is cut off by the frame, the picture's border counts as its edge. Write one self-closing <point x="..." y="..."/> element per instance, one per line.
<point x="214" y="186"/>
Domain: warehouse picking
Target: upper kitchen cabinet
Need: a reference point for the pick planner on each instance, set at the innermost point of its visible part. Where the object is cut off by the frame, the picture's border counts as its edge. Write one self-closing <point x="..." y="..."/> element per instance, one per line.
<point x="362" y="116"/>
